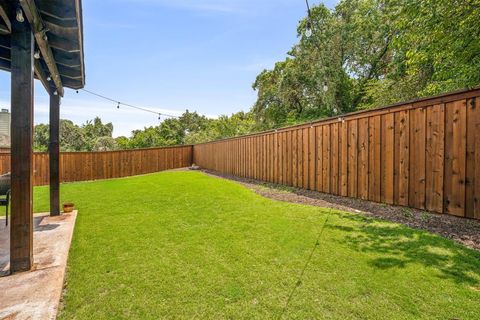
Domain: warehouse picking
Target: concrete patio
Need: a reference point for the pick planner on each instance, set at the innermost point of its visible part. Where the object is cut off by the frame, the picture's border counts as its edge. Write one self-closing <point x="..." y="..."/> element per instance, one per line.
<point x="36" y="294"/>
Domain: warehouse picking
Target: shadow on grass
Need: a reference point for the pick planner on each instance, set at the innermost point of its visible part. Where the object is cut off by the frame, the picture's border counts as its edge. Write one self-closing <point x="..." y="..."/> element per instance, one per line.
<point x="400" y="246"/>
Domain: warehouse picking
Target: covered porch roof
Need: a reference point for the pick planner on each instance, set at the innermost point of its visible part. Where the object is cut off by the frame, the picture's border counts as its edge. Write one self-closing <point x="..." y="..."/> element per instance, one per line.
<point x="58" y="31"/>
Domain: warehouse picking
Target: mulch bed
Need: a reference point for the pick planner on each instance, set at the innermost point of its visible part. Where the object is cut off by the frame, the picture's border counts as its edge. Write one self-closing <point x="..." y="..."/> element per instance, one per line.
<point x="463" y="231"/>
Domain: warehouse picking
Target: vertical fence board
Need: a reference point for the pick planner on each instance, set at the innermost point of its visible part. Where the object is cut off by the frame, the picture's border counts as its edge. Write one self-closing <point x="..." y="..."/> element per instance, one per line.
<point x="363" y="157"/>
<point x="319" y="160"/>
<point x="312" y="150"/>
<point x="374" y="159"/>
<point x="352" y="158"/>
<point x="334" y="159"/>
<point x="455" y="158"/>
<point x="417" y="157"/>
<point x="435" y="158"/>
<point x="476" y="199"/>
<point x="305" y="157"/>
<point x="388" y="158"/>
<point x="343" y="159"/>
<point x="473" y="151"/>
<point x="326" y="158"/>
<point x="402" y="157"/>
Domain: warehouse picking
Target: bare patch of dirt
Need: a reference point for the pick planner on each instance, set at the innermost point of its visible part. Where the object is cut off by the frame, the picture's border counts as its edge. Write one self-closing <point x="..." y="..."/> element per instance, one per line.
<point x="463" y="231"/>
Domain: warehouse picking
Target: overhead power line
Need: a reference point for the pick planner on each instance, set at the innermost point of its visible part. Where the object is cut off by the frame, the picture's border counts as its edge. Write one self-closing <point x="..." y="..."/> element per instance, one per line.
<point x="119" y="104"/>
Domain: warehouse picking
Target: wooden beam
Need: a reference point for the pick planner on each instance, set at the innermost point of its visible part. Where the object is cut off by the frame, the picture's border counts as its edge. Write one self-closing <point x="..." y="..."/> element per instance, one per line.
<point x="54" y="155"/>
<point x="6" y="20"/>
<point x="36" y="22"/>
<point x="21" y="242"/>
<point x="40" y="75"/>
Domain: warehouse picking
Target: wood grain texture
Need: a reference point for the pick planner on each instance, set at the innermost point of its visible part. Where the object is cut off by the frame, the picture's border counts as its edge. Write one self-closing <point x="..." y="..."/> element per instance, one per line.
<point x="343" y="147"/>
<point x="417" y="157"/>
<point x="387" y="158"/>
<point x="352" y="158"/>
<point x="374" y="158"/>
<point x="455" y="158"/>
<point x="326" y="159"/>
<point x="435" y="155"/>
<point x="363" y="158"/>
<point x="472" y="184"/>
<point x="334" y="163"/>
<point x="402" y="158"/>
<point x="22" y="88"/>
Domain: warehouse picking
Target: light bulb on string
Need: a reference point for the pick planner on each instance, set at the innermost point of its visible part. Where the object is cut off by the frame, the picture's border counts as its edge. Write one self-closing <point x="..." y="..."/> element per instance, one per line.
<point x="325" y="86"/>
<point x="308" y="30"/>
<point x="19" y="15"/>
<point x="118" y="105"/>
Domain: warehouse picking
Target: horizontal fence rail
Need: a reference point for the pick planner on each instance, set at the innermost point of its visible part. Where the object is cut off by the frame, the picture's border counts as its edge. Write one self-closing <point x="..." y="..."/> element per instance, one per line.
<point x="423" y="154"/>
<point x="86" y="166"/>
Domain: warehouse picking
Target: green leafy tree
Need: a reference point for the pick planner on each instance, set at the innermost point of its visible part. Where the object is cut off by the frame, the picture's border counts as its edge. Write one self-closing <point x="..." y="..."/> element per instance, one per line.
<point x="41" y="138"/>
<point x="72" y="137"/>
<point x="371" y="53"/>
<point x="105" y="144"/>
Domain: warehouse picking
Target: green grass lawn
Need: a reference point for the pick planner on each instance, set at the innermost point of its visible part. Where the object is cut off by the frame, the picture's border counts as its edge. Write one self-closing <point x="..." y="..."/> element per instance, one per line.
<point x="184" y="245"/>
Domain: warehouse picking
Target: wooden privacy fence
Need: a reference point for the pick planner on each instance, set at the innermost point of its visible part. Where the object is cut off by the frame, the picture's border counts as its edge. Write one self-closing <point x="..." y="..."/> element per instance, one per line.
<point x="423" y="154"/>
<point x="85" y="166"/>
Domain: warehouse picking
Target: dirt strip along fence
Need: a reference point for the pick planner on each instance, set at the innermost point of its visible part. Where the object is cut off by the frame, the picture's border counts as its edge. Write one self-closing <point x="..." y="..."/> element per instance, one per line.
<point x="423" y="154"/>
<point x="86" y="166"/>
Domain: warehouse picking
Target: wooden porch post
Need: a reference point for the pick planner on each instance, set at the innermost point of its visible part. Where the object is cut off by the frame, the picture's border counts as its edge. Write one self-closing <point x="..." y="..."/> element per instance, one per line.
<point x="54" y="155"/>
<point x="21" y="236"/>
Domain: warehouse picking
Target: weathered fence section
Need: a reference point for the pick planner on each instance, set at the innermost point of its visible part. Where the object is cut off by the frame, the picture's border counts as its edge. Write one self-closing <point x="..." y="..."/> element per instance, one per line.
<point x="85" y="166"/>
<point x="423" y="154"/>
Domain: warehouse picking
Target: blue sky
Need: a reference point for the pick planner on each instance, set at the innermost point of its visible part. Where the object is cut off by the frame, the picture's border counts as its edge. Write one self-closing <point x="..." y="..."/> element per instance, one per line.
<point x="172" y="55"/>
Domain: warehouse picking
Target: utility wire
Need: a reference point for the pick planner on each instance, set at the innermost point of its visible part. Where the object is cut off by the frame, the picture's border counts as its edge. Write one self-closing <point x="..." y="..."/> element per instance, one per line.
<point x="302" y="273"/>
<point x="119" y="103"/>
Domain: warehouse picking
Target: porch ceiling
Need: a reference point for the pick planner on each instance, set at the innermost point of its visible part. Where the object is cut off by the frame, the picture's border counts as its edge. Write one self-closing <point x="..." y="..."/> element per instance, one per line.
<point x="57" y="26"/>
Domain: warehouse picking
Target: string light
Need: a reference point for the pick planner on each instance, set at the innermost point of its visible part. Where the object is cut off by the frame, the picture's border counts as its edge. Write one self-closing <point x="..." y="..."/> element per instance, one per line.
<point x="119" y="103"/>
<point x="19" y="15"/>
<point x="308" y="30"/>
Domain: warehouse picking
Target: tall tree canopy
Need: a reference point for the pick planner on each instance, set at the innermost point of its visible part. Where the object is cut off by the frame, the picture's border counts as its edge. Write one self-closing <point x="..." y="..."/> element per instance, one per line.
<point x="369" y="53"/>
<point x="91" y="136"/>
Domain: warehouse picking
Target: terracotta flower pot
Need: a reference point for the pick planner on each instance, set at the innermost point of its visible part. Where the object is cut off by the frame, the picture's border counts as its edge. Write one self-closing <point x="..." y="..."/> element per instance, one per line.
<point x="68" y="207"/>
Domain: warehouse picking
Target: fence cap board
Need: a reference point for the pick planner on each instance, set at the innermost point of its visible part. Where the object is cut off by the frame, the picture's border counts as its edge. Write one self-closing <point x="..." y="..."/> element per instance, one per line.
<point x="7" y="153"/>
<point x="400" y="106"/>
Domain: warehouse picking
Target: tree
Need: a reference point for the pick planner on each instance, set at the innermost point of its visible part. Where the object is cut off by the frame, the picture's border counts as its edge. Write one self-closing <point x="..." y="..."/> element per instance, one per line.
<point x="105" y="144"/>
<point x="95" y="130"/>
<point x="71" y="137"/>
<point x="41" y="138"/>
<point x="90" y="136"/>
<point x="371" y="53"/>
